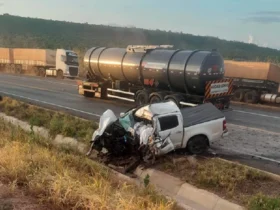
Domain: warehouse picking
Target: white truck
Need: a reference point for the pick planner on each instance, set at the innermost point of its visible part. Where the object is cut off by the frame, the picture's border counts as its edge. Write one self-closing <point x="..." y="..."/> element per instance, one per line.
<point x="159" y="128"/>
<point x="58" y="63"/>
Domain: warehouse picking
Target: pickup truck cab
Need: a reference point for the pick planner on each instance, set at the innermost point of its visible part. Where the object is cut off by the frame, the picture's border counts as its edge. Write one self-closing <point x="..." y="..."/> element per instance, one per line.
<point x="191" y="128"/>
<point x="161" y="127"/>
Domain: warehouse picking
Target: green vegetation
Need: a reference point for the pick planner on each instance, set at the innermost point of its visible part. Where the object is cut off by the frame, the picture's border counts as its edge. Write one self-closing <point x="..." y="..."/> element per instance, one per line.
<point x="232" y="181"/>
<point x="262" y="202"/>
<point x="38" y="33"/>
<point x="56" y="122"/>
<point x="67" y="181"/>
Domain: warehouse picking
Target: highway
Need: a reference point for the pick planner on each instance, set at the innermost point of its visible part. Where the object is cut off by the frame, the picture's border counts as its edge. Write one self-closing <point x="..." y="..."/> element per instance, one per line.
<point x="63" y="95"/>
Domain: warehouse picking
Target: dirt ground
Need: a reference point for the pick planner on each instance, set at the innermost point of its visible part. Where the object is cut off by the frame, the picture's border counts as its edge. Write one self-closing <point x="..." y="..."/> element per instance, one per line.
<point x="16" y="200"/>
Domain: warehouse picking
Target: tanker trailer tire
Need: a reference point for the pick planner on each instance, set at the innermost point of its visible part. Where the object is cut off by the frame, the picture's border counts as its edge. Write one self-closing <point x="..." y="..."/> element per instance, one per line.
<point x="157" y="97"/>
<point x="238" y="95"/>
<point x="142" y="97"/>
<point x="175" y="98"/>
<point x="42" y="72"/>
<point x="59" y="74"/>
<point x="251" y="97"/>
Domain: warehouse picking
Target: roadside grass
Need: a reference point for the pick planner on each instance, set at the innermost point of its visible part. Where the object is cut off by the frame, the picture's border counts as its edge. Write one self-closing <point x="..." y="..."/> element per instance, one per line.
<point x="67" y="181"/>
<point x="56" y="122"/>
<point x="235" y="182"/>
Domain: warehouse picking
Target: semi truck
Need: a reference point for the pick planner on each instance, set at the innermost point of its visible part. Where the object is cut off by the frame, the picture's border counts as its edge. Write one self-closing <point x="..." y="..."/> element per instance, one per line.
<point x="58" y="63"/>
<point x="145" y="74"/>
<point x="254" y="82"/>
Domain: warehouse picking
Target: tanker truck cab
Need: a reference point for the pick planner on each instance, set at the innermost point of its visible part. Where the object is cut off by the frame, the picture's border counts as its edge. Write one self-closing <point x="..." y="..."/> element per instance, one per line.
<point x="67" y="64"/>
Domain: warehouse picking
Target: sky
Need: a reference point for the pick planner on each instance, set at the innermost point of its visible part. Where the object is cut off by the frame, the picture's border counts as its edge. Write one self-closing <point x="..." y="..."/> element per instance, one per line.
<point x="250" y="21"/>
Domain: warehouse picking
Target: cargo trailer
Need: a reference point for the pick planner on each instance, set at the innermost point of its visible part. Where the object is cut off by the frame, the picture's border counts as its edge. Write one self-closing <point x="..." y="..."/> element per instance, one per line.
<point x="41" y="62"/>
<point x="254" y="82"/>
<point x="154" y="73"/>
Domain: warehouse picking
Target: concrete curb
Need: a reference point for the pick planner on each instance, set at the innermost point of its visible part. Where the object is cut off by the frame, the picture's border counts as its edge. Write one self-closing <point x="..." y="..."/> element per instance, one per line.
<point x="186" y="193"/>
<point x="255" y="105"/>
<point x="187" y="196"/>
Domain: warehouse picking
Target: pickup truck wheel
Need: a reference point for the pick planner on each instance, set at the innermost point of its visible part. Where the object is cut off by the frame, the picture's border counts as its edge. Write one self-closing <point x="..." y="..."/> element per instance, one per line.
<point x="197" y="145"/>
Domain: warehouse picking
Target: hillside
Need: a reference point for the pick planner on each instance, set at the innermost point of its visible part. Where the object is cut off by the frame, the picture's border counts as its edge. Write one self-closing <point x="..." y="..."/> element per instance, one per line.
<point x="38" y="33"/>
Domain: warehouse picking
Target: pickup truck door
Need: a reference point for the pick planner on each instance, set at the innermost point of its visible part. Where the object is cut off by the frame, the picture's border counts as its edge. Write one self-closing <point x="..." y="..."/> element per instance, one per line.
<point x="172" y="125"/>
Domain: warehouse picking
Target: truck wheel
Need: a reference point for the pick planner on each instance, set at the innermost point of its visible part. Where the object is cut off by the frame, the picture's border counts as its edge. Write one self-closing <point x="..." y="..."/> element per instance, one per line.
<point x="175" y="98"/>
<point x="142" y="98"/>
<point x="238" y="95"/>
<point x="36" y="71"/>
<point x="157" y="97"/>
<point x="18" y="69"/>
<point x="251" y="97"/>
<point x="13" y="68"/>
<point x="59" y="74"/>
<point x="42" y="72"/>
<point x="197" y="145"/>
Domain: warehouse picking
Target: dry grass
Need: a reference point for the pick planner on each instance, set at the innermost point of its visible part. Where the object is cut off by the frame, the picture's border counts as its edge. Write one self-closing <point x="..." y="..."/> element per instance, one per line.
<point x="56" y="122"/>
<point x="232" y="181"/>
<point x="64" y="180"/>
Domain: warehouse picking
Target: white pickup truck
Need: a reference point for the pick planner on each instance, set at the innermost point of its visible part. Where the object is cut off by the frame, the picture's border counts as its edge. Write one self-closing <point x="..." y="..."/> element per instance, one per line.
<point x="160" y="127"/>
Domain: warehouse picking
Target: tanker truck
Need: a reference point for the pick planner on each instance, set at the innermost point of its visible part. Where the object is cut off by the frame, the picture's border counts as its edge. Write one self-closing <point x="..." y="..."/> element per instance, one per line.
<point x="145" y="74"/>
<point x="254" y="82"/>
<point x="58" y="63"/>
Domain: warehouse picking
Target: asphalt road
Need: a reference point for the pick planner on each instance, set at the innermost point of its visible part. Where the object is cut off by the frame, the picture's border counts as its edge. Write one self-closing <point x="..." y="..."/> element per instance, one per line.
<point x="63" y="95"/>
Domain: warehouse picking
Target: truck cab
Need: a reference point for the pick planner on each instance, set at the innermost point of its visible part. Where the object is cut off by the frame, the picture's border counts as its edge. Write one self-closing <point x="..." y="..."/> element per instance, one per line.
<point x="67" y="64"/>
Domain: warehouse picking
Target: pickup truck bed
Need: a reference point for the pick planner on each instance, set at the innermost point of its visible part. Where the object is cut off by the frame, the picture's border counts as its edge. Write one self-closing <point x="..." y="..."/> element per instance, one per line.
<point x="200" y="114"/>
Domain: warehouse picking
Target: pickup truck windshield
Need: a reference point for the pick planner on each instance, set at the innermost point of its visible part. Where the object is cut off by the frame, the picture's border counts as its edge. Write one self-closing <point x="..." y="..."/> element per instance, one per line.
<point x="168" y="122"/>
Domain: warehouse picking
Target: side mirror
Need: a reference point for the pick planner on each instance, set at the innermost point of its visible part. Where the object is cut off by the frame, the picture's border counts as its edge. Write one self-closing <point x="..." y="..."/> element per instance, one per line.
<point x="122" y="114"/>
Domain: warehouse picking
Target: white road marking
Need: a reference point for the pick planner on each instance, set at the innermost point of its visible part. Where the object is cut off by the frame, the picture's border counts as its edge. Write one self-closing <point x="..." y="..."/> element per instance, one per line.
<point x="56" y="105"/>
<point x="257" y="114"/>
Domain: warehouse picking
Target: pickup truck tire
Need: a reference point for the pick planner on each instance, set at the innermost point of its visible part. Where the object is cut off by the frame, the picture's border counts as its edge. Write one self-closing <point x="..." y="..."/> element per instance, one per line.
<point x="197" y="145"/>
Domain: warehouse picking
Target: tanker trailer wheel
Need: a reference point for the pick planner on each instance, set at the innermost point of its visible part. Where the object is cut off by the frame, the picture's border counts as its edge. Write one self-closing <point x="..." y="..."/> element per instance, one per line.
<point x="251" y="97"/>
<point x="238" y="95"/>
<point x="175" y="98"/>
<point x="157" y="97"/>
<point x="59" y="74"/>
<point x="42" y="72"/>
<point x="142" y="97"/>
